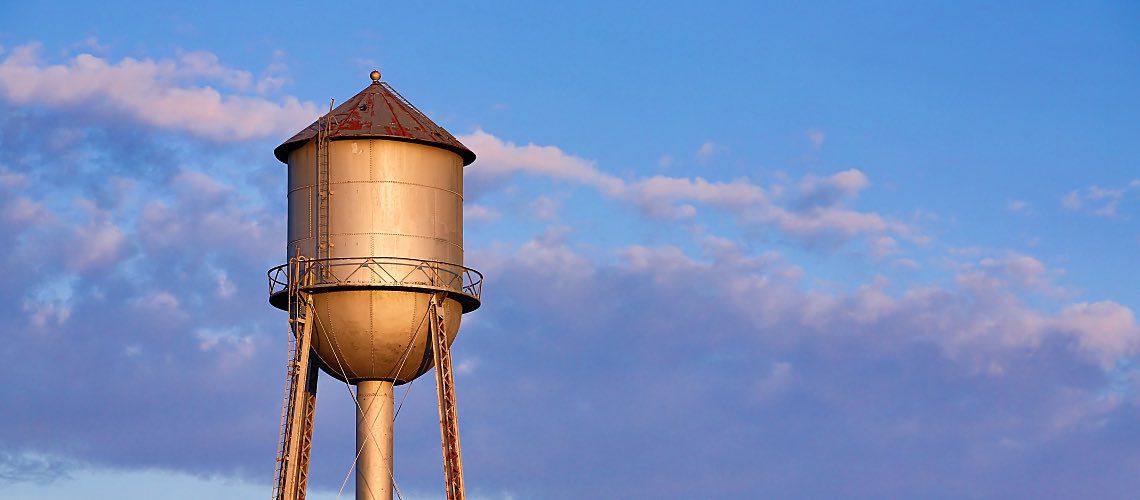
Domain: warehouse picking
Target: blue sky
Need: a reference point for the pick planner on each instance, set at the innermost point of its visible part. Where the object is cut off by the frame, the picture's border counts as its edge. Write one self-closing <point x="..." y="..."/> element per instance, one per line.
<point x="813" y="250"/>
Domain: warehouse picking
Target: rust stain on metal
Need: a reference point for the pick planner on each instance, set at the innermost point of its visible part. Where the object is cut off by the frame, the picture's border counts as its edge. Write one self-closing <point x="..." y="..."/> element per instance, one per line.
<point x="379" y="111"/>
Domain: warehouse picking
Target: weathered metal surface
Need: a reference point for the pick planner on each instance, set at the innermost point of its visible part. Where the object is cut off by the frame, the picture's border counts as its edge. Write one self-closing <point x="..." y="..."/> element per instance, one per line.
<point x="374" y="440"/>
<point x="379" y="111"/>
<point x="376" y="334"/>
<point x="392" y="198"/>
<point x="385" y="197"/>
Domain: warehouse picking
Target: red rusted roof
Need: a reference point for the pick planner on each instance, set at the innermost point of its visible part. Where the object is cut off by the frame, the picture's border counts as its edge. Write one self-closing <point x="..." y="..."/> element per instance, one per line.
<point x="379" y="111"/>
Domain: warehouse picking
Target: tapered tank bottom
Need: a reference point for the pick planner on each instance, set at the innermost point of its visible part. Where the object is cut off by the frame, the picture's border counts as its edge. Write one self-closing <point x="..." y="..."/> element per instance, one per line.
<point x="374" y="440"/>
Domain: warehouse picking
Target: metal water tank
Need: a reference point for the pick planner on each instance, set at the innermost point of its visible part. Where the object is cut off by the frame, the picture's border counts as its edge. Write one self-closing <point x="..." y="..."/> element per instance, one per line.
<point x="376" y="206"/>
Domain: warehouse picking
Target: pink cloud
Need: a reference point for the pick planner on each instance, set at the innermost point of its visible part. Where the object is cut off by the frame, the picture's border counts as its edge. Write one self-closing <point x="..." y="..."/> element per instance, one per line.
<point x="475" y="212"/>
<point x="816" y="210"/>
<point x="1105" y="328"/>
<point x="96" y="244"/>
<point x="498" y="158"/>
<point x="164" y="93"/>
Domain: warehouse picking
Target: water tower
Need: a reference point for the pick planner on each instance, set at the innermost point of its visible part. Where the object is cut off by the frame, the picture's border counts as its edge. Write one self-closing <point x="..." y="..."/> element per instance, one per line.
<point x="374" y="281"/>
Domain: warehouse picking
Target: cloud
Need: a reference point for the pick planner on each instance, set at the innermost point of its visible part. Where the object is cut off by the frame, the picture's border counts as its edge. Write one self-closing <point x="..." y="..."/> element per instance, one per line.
<point x="10" y="180"/>
<point x="816" y="138"/>
<point x="775" y="383"/>
<point x="163" y="93"/>
<point x="981" y="319"/>
<point x="30" y="467"/>
<point x="658" y="370"/>
<point x="476" y="213"/>
<point x="1018" y="206"/>
<point x="544" y="208"/>
<point x="706" y="152"/>
<point x="752" y="363"/>
<point x="1098" y="201"/>
<point x="105" y="292"/>
<point x="1013" y="270"/>
<point x="813" y="210"/>
<point x="667" y="196"/>
<point x="498" y="158"/>
<point x="21" y="210"/>
<point x="884" y="246"/>
<point x="1106" y="328"/>
<point x="625" y="360"/>
<point x="96" y="244"/>
<point x="825" y="222"/>
<point x="829" y="191"/>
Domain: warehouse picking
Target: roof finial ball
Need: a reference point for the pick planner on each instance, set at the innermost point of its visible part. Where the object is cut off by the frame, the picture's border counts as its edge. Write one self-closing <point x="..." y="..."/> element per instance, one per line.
<point x="375" y="76"/>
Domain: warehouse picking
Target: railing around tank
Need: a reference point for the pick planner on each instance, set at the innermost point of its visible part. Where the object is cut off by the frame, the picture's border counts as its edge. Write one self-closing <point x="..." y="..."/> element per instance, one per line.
<point x="395" y="272"/>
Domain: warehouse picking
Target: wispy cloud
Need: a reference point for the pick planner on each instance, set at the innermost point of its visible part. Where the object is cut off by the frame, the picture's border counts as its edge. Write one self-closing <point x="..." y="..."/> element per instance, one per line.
<point x="498" y="158"/>
<point x="706" y="152"/>
<point x="1097" y="200"/>
<point x="816" y="138"/>
<point x="812" y="209"/>
<point x="1019" y="207"/>
<point x="476" y="213"/>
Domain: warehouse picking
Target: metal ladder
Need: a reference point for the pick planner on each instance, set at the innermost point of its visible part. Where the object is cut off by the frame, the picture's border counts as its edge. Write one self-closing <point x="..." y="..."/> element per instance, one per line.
<point x="324" y="191"/>
<point x="445" y="389"/>
<point x="296" y="440"/>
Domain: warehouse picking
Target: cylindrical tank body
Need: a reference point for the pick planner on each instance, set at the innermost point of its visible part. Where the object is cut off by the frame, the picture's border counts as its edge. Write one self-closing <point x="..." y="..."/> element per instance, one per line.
<point x="389" y="198"/>
<point x="391" y="206"/>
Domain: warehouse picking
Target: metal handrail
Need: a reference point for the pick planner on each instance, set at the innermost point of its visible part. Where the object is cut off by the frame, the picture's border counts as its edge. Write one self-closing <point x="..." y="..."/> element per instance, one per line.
<point x="381" y="271"/>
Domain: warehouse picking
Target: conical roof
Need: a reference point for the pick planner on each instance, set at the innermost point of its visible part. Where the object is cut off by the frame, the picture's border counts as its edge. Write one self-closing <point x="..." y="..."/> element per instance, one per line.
<point x="379" y="111"/>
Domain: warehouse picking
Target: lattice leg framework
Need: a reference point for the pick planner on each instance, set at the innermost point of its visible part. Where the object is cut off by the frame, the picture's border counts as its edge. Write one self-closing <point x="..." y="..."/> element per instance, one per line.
<point x="300" y="392"/>
<point x="445" y="386"/>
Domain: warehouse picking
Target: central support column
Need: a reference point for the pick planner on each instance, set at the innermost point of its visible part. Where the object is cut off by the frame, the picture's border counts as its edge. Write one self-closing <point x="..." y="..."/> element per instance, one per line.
<point x="374" y="440"/>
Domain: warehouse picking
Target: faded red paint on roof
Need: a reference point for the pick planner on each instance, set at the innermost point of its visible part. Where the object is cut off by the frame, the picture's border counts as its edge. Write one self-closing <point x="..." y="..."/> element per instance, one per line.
<point x="379" y="111"/>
